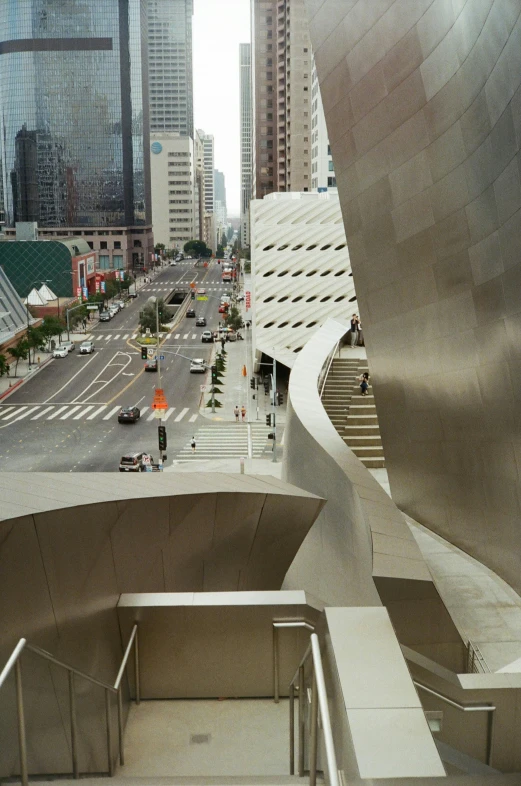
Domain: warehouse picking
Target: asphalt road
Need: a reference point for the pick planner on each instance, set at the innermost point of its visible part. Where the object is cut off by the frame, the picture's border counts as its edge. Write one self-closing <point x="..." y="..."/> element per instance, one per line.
<point x="65" y="417"/>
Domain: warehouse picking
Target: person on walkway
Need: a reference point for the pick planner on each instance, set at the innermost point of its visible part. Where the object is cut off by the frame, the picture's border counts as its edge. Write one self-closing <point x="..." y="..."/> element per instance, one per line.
<point x="192" y="444"/>
<point x="354" y="330"/>
<point x="243" y="412"/>
<point x="236" y="413"/>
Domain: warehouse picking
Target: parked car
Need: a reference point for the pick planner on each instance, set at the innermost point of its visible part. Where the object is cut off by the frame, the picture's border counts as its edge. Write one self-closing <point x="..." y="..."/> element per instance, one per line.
<point x="135" y="462"/>
<point x="86" y="348"/>
<point x="223" y="308"/>
<point x="120" y="304"/>
<point x="190" y="313"/>
<point x="69" y="344"/>
<point x="105" y="316"/>
<point x="207" y="337"/>
<point x="231" y="336"/>
<point x="129" y="415"/>
<point x="200" y="322"/>
<point x="151" y="364"/>
<point x="173" y="263"/>
<point x="114" y="309"/>
<point x="60" y="352"/>
<point x="197" y="366"/>
<point x="132" y="294"/>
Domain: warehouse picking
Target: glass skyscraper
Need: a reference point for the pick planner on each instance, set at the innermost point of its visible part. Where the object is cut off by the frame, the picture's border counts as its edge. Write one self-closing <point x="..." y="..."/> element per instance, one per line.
<point x="74" y="112"/>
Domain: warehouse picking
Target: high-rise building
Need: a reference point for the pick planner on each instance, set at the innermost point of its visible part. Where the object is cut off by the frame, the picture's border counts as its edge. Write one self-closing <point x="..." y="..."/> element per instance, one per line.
<point x="322" y="168"/>
<point x="170" y="66"/>
<point x="74" y="123"/>
<point x="221" y="214"/>
<point x="173" y="177"/>
<point x="246" y="140"/>
<point x="207" y="143"/>
<point x="199" y="187"/>
<point x="282" y="96"/>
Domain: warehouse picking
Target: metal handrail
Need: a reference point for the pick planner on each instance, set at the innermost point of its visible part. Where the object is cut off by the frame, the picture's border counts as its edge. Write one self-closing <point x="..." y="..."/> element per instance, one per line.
<point x="476" y="662"/>
<point x="277" y="625"/>
<point x="318" y="702"/>
<point x="14" y="662"/>
<point x="324" y="378"/>
<point x="490" y="708"/>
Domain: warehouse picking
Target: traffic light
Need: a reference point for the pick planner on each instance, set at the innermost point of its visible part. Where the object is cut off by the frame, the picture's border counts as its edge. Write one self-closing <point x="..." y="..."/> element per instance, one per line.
<point x="252" y="383"/>
<point x="161" y="433"/>
<point x="144" y="353"/>
<point x="193" y="295"/>
<point x="280" y="399"/>
<point x="269" y="421"/>
<point x="214" y="374"/>
<point x="266" y="387"/>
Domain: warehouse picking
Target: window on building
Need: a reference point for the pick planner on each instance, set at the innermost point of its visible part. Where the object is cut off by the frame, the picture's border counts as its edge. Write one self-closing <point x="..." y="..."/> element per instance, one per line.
<point x="330" y="166"/>
<point x="104" y="261"/>
<point x="103" y="244"/>
<point x="117" y="244"/>
<point x="90" y="244"/>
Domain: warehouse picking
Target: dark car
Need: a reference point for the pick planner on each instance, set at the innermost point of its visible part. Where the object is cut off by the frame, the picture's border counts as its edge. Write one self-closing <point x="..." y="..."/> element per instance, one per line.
<point x="151" y="364"/>
<point x="200" y="322"/>
<point x="132" y="295"/>
<point x="190" y="312"/>
<point x="128" y="414"/>
<point x="135" y="462"/>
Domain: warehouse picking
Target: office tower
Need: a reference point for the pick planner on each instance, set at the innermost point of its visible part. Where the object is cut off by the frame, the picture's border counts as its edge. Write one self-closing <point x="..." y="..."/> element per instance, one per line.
<point x="170" y="66"/>
<point x="282" y="96"/>
<point x="322" y="168"/>
<point x="221" y="216"/>
<point x="173" y="177"/>
<point x="74" y="124"/>
<point x="199" y="187"/>
<point x="207" y="143"/>
<point x="246" y="140"/>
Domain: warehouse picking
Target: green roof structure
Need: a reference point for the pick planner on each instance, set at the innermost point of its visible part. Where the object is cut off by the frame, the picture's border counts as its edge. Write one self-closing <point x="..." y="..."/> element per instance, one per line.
<point x="29" y="263"/>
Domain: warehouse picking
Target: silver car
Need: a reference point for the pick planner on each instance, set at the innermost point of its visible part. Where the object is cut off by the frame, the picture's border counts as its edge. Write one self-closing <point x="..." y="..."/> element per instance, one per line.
<point x="86" y="348"/>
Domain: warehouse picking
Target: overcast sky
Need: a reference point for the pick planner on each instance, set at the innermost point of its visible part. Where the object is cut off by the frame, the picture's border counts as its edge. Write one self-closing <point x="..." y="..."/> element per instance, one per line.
<point x="219" y="26"/>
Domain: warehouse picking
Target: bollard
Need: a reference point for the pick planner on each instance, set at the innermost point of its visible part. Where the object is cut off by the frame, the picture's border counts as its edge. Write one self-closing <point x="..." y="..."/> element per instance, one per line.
<point x="242" y="464"/>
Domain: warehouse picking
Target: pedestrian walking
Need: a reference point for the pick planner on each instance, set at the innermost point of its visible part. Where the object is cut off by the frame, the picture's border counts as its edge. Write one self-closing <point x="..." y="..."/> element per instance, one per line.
<point x="38" y="359"/>
<point x="354" y="330"/>
<point x="243" y="412"/>
<point x="236" y="413"/>
<point x="364" y="382"/>
<point x="192" y="444"/>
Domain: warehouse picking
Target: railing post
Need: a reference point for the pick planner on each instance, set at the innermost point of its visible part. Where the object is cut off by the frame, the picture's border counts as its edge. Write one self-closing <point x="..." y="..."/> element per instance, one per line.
<point x="74" y="726"/>
<point x="490" y="737"/>
<point x="301" y="720"/>
<point x="109" y="732"/>
<point x="275" y="665"/>
<point x="120" y="727"/>
<point x="292" y="729"/>
<point x="313" y="732"/>
<point x="22" y="740"/>
<point x="136" y="667"/>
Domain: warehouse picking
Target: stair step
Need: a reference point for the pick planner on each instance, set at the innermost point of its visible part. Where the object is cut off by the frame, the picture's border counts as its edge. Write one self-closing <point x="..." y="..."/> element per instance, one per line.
<point x="355" y="441"/>
<point x="372" y="463"/>
<point x="362" y="420"/>
<point x="367" y="451"/>
<point x="365" y="429"/>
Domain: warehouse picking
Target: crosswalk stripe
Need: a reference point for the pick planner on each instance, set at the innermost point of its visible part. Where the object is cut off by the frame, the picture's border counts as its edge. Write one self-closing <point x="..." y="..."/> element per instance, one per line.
<point x="5" y="411"/>
<point x="109" y="336"/>
<point x="126" y="336"/>
<point x="168" y="413"/>
<point x="83" y="412"/>
<point x="151" y="416"/>
<point x="71" y="412"/>
<point x="55" y="414"/>
<point x="29" y="411"/>
<point x="193" y="418"/>
<point x="97" y="412"/>
<point x="194" y="335"/>
<point x="42" y="413"/>
<point x="112" y="412"/>
<point x="143" y="411"/>
<point x="169" y="335"/>
<point x="181" y="415"/>
<point x="134" y="335"/>
<point x="12" y="414"/>
<point x="185" y="336"/>
<point x="177" y="335"/>
<point x="116" y="337"/>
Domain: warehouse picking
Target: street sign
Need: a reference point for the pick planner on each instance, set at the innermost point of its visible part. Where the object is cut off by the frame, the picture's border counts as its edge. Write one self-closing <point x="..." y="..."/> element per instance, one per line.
<point x="151" y="352"/>
<point x="92" y="308"/>
<point x="146" y="459"/>
<point x="159" y="401"/>
<point x="161" y="357"/>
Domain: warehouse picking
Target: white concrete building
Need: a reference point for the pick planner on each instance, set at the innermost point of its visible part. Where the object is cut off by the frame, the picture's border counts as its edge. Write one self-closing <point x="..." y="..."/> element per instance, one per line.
<point x="322" y="169"/>
<point x="207" y="142"/>
<point x="173" y="189"/>
<point x="301" y="273"/>
<point x="246" y="140"/>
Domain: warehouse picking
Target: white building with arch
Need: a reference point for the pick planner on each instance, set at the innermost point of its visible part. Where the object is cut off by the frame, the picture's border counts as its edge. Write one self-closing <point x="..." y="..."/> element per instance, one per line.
<point x="301" y="273"/>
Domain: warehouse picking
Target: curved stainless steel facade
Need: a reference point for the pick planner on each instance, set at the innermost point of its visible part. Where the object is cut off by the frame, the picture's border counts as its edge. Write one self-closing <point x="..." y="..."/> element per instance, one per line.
<point x="74" y="112"/>
<point x="423" y="108"/>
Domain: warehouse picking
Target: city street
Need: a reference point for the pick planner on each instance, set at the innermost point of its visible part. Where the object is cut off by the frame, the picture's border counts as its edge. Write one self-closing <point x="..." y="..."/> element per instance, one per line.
<point x="64" y="418"/>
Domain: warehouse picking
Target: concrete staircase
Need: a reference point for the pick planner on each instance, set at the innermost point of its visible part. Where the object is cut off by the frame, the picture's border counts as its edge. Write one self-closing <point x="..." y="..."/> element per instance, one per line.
<point x="353" y="415"/>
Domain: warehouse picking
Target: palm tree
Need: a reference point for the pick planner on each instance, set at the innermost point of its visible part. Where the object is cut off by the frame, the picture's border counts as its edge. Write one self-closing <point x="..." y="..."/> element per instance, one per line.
<point x="19" y="352"/>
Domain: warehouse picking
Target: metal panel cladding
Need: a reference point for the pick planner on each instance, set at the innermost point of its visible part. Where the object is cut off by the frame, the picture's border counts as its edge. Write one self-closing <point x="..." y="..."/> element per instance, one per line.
<point x="72" y="112"/>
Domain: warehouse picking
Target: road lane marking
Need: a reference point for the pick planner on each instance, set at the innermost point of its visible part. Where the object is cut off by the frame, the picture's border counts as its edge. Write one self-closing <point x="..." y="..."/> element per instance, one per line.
<point x="12" y="414"/>
<point x="134" y="335"/>
<point x="177" y="335"/>
<point x="126" y="336"/>
<point x="144" y="409"/>
<point x="118" y="336"/>
<point x="181" y="415"/>
<point x="98" y="381"/>
<point x="42" y="413"/>
<point x="84" y="366"/>
<point x="58" y="411"/>
<point x="83" y="412"/>
<point x="97" y="412"/>
<point x="107" y="337"/>
<point x="5" y="411"/>
<point x="168" y="413"/>
<point x="192" y="419"/>
<point x="194" y="335"/>
<point x="185" y="336"/>
<point x="151" y="416"/>
<point x="29" y="411"/>
<point x="111" y="413"/>
<point x="71" y="412"/>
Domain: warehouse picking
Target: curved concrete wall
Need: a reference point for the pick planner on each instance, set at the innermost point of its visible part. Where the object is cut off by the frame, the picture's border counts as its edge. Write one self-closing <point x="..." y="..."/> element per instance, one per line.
<point x="423" y="108"/>
<point x="359" y="534"/>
